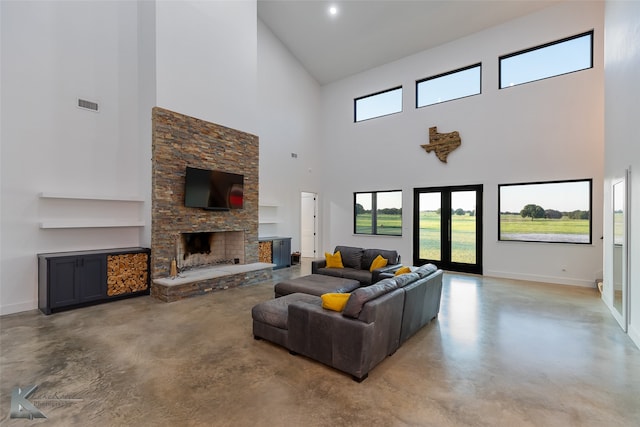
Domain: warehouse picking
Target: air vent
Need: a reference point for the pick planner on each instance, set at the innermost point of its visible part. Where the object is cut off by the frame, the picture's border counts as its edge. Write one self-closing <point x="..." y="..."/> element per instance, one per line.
<point x="87" y="105"/>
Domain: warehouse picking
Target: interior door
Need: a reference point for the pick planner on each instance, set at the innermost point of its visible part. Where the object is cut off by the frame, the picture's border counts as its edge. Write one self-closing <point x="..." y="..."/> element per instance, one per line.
<point x="448" y="227"/>
<point x="308" y="224"/>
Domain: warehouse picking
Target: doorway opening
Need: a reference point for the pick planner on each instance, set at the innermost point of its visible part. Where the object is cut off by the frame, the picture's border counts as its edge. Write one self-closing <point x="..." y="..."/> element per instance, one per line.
<point x="447" y="227"/>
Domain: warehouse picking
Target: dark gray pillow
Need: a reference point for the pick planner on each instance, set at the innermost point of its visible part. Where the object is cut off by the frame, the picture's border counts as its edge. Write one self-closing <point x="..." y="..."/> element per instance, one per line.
<point x="351" y="256"/>
<point x="425" y="270"/>
<point x="361" y="296"/>
<point x="404" y="279"/>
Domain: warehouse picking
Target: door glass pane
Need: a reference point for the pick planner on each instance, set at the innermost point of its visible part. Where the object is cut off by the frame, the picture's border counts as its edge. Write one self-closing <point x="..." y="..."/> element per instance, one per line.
<point x="364" y="224"/>
<point x="429" y="211"/>
<point x="463" y="227"/>
<point x="618" y="246"/>
<point x="389" y="213"/>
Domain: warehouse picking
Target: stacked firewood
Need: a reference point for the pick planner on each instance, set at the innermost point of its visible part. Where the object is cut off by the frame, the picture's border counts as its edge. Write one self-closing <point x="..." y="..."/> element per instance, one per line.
<point x="127" y="273"/>
<point x="264" y="251"/>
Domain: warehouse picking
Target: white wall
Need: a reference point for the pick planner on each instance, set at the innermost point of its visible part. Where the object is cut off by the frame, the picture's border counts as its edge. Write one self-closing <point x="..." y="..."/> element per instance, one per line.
<point x="195" y="57"/>
<point x="146" y="102"/>
<point x="206" y="60"/>
<point x="52" y="54"/>
<point x="289" y="110"/>
<point x="547" y="130"/>
<point x="622" y="144"/>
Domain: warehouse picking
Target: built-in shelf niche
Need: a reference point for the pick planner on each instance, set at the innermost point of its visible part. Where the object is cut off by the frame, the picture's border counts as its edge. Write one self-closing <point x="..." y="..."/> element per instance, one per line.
<point x="73" y="210"/>
<point x="268" y="213"/>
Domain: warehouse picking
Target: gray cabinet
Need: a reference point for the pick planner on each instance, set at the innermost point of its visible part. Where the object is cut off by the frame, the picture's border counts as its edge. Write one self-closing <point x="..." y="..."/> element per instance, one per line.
<point x="76" y="279"/>
<point x="72" y="279"/>
<point x="280" y="251"/>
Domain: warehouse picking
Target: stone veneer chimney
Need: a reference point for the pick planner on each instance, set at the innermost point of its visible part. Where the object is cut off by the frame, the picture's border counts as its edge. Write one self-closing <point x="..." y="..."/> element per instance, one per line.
<point x="180" y="141"/>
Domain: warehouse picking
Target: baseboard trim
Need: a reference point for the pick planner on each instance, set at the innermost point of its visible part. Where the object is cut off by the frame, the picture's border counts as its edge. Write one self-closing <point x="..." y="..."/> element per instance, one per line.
<point x="18" y="308"/>
<point x="545" y="279"/>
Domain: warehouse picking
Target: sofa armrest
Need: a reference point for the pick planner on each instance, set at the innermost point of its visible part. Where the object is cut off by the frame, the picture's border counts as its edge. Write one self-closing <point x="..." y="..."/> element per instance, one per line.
<point x="353" y="346"/>
<point x="317" y="264"/>
<point x="384" y="272"/>
<point x="421" y="303"/>
<point x="330" y="338"/>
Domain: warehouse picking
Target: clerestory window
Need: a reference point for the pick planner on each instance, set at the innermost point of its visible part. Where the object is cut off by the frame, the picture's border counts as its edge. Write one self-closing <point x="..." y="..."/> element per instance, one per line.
<point x="549" y="60"/>
<point x="378" y="104"/>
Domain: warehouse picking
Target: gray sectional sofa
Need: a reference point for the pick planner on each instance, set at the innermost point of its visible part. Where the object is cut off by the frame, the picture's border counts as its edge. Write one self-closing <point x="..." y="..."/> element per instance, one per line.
<point x="376" y="320"/>
<point x="356" y="263"/>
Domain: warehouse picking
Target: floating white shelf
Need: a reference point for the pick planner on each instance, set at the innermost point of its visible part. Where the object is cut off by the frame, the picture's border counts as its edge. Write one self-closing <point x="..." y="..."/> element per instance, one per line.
<point x="71" y="223"/>
<point x="268" y="204"/>
<point x="53" y="195"/>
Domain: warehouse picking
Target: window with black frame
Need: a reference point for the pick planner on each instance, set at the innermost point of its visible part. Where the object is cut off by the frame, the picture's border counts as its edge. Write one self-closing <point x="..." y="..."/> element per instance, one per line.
<point x="552" y="212"/>
<point x="378" y="104"/>
<point x="448" y="86"/>
<point x="560" y="57"/>
<point x="378" y="213"/>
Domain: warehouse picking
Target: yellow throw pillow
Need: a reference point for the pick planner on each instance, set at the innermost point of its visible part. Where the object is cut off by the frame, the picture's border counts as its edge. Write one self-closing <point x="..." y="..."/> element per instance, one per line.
<point x="334" y="260"/>
<point x="335" y="302"/>
<point x="402" y="270"/>
<point x="378" y="262"/>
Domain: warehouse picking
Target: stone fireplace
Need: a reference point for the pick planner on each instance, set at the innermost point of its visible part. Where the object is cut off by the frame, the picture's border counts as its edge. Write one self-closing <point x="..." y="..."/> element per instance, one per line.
<point x="226" y="241"/>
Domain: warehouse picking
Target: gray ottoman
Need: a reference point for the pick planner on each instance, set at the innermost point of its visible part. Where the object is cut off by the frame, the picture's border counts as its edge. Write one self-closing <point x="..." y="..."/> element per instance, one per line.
<point x="316" y="284"/>
<point x="270" y="317"/>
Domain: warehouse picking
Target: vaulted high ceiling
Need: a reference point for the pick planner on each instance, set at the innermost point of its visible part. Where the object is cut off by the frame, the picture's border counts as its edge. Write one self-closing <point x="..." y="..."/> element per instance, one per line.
<point x="367" y="33"/>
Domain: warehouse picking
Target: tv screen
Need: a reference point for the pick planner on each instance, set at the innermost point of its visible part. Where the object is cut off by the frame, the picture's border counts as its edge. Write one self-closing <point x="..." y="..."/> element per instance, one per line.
<point x="215" y="190"/>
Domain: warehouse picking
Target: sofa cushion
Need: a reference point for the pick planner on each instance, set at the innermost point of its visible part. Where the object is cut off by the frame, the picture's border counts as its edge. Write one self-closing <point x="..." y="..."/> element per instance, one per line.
<point x="378" y="262"/>
<point x="275" y="312"/>
<point x="316" y="284"/>
<point x="402" y="270"/>
<point x="361" y="296"/>
<point x="333" y="260"/>
<point x="335" y="272"/>
<point x="404" y="279"/>
<point x="351" y="256"/>
<point x="425" y="270"/>
<point x="368" y="255"/>
<point x="334" y="301"/>
<point x="362" y="276"/>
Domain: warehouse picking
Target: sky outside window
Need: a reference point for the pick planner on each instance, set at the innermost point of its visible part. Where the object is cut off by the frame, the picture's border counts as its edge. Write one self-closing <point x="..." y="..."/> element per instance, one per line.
<point x="548" y="61"/>
<point x="454" y="85"/>
<point x="378" y="105"/>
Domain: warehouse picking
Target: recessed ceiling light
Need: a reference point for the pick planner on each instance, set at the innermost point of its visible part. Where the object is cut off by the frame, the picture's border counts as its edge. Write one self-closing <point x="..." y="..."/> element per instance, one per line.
<point x="333" y="10"/>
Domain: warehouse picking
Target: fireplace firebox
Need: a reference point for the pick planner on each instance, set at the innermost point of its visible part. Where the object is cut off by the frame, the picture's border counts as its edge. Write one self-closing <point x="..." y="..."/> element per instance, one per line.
<point x="209" y="248"/>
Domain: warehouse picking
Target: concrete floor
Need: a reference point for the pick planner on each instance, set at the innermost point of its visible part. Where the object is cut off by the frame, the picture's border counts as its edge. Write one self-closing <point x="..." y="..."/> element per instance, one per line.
<point x="501" y="353"/>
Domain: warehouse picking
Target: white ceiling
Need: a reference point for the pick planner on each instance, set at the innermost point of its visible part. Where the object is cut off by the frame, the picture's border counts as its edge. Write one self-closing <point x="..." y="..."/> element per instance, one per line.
<point x="368" y="33"/>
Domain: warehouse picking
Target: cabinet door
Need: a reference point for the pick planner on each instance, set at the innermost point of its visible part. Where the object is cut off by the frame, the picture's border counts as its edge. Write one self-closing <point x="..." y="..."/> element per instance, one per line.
<point x="92" y="280"/>
<point x="285" y="252"/>
<point x="62" y="282"/>
<point x="277" y="253"/>
<point x="282" y="253"/>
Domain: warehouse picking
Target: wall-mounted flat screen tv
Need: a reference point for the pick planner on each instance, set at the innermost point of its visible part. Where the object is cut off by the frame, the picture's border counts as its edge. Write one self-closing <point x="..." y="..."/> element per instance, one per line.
<point x="212" y="189"/>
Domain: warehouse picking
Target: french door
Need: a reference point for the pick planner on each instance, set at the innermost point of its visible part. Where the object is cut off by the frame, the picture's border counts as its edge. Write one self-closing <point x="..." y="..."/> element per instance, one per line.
<point x="447" y="227"/>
